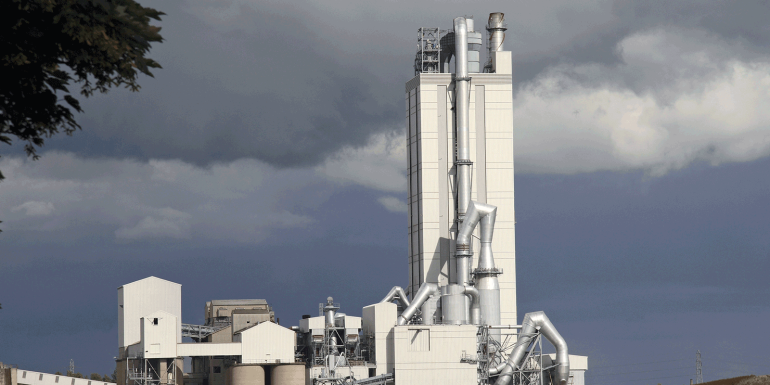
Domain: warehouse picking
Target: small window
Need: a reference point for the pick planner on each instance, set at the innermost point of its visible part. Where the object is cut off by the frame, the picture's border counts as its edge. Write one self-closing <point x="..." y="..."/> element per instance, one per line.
<point x="41" y="377"/>
<point x="89" y="382"/>
<point x="217" y="369"/>
<point x="24" y="375"/>
<point x="73" y="381"/>
<point x="154" y="321"/>
<point x="57" y="379"/>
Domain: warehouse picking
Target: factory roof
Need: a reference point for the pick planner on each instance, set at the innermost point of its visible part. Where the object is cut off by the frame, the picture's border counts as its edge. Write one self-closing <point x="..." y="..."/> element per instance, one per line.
<point x="150" y="278"/>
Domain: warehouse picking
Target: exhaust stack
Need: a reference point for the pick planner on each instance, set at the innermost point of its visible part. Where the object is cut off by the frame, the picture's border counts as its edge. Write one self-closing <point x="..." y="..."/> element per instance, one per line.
<point x="496" y="31"/>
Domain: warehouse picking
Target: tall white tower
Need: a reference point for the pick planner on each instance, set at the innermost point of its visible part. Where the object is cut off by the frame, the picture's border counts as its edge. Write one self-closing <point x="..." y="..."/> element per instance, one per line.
<point x="432" y="160"/>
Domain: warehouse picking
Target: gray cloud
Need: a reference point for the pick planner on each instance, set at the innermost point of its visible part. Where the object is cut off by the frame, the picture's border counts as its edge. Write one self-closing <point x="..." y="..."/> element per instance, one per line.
<point x="291" y="84"/>
<point x="67" y="198"/>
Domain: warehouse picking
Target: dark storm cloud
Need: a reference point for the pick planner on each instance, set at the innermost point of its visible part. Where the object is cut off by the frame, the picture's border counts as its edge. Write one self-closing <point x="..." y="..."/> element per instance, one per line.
<point x="291" y="83"/>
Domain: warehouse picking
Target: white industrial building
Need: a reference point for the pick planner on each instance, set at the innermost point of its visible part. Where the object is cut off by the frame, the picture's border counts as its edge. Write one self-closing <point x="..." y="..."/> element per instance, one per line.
<point x="149" y="313"/>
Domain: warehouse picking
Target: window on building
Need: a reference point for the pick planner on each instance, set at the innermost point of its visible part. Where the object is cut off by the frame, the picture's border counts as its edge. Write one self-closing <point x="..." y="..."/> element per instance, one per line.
<point x="217" y="369"/>
<point x="154" y="321"/>
<point x="41" y="377"/>
<point x="57" y="379"/>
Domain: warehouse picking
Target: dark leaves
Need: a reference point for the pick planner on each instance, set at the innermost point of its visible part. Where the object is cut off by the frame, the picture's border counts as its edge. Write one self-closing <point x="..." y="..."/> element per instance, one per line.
<point x="74" y="103"/>
<point x="46" y="45"/>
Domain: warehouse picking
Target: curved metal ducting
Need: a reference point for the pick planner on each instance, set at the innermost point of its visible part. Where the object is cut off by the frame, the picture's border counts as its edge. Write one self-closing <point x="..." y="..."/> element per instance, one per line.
<point x="475" y="304"/>
<point x="426" y="290"/>
<point x="532" y="323"/>
<point x="486" y="273"/>
<point x="475" y="213"/>
<point x="397" y="293"/>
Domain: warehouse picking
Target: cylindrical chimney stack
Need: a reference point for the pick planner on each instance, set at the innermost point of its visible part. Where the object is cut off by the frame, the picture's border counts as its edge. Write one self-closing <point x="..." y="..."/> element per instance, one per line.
<point x="496" y="31"/>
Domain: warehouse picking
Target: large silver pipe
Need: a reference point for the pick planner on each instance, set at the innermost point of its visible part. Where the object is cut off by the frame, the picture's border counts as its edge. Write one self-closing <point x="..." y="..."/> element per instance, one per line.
<point x="486" y="274"/>
<point x="532" y="323"/>
<point x="462" y="106"/>
<point x="474" y="213"/>
<point x="426" y="290"/>
<point x="397" y="293"/>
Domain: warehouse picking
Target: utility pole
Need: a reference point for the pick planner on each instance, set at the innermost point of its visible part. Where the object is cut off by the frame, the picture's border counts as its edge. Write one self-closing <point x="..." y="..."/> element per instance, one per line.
<point x="698" y="368"/>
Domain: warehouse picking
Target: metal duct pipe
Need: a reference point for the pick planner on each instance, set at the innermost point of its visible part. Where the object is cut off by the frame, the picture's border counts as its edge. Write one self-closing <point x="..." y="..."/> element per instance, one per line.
<point x="486" y="273"/>
<point x="532" y="323"/>
<point x="426" y="290"/>
<point x="462" y="106"/>
<point x="475" y="212"/>
<point x="475" y="304"/>
<point x="397" y="293"/>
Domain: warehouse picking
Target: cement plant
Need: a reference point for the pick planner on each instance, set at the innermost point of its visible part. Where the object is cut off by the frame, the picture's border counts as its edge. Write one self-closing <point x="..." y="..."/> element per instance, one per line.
<point x="455" y="322"/>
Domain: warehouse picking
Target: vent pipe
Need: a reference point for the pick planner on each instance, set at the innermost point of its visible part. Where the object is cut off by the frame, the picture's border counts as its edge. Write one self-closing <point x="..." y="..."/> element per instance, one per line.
<point x="329" y="310"/>
<point x="397" y="293"/>
<point x="496" y="31"/>
<point x="532" y="323"/>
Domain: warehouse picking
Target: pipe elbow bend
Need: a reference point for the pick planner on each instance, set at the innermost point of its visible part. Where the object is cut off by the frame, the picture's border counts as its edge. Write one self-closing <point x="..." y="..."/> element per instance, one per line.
<point x="474" y="294"/>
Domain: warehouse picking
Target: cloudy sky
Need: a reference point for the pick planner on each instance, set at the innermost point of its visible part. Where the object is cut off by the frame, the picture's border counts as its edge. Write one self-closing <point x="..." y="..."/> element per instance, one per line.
<point x="266" y="160"/>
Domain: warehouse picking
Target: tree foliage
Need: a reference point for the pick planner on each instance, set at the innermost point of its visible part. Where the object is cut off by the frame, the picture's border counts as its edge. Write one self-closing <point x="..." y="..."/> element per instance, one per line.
<point x="45" y="45"/>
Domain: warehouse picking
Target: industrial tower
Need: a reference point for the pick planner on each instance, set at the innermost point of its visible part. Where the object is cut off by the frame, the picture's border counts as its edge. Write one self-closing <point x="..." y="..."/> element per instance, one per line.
<point x="434" y="161"/>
